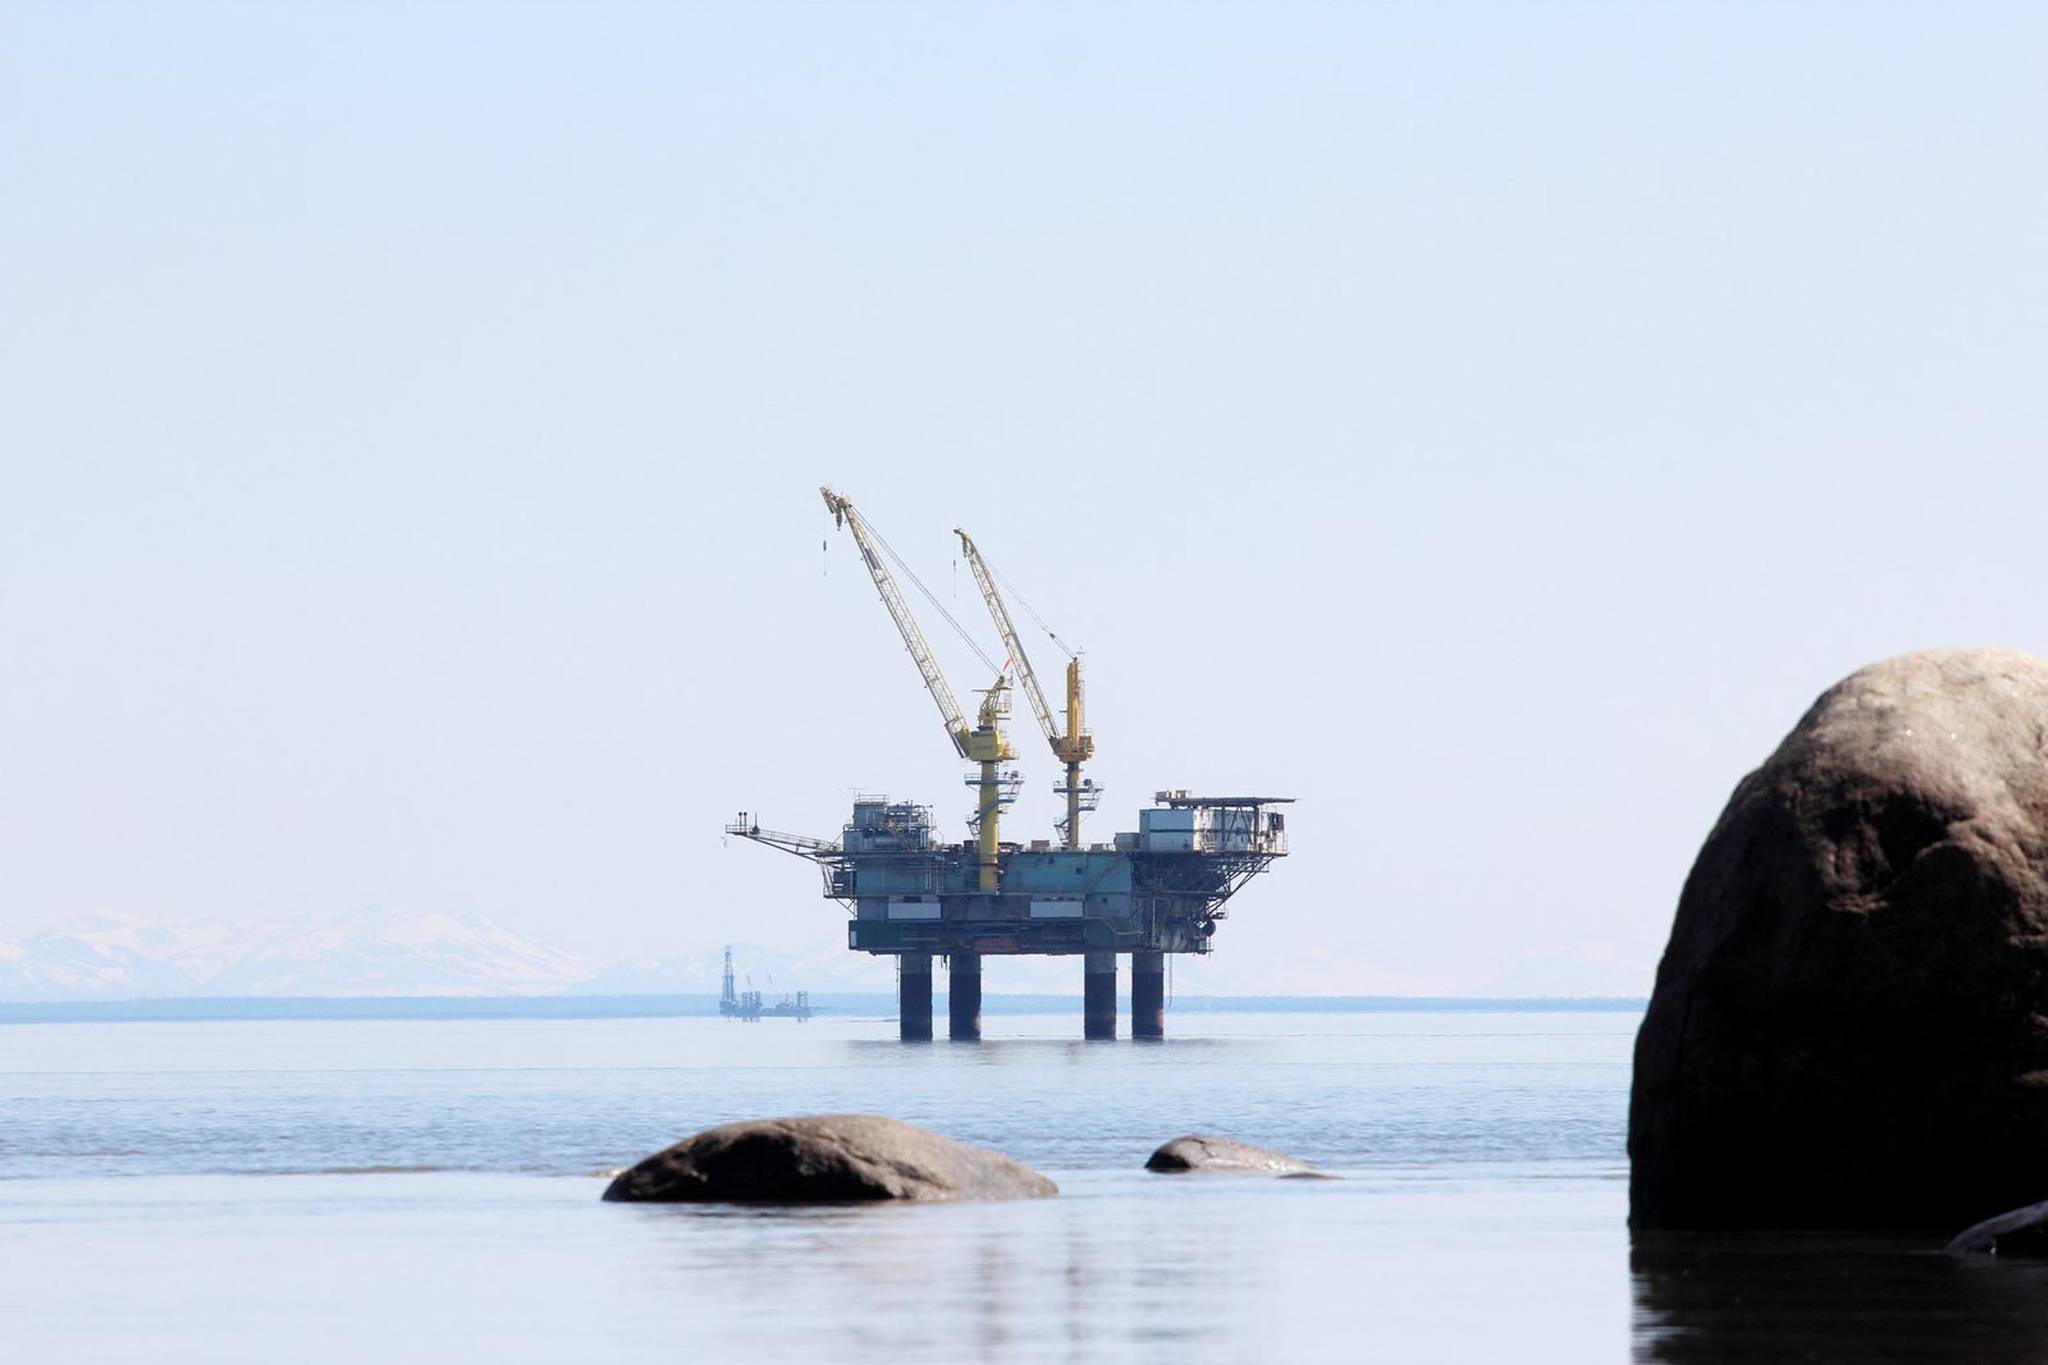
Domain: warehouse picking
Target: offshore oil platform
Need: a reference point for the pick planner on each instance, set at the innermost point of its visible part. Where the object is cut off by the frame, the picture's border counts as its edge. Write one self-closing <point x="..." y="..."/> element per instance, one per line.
<point x="749" y="1006"/>
<point x="1159" y="889"/>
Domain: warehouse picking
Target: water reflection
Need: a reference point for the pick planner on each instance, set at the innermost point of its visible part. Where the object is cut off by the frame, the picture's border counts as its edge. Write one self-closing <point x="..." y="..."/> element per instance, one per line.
<point x="1001" y="1281"/>
<point x="1767" y="1296"/>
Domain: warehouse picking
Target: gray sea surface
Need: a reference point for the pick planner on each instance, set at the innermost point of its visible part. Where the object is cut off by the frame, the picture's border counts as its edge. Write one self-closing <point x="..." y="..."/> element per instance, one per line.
<point x="407" y="1189"/>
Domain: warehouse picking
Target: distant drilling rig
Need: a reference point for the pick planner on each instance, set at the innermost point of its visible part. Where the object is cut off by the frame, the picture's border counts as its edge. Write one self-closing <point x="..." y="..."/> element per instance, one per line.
<point x="1157" y="891"/>
<point x="751" y="1007"/>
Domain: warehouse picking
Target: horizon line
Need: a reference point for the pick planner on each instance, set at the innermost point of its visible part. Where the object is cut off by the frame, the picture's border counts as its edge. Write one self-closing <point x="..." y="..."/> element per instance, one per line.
<point x="279" y="1008"/>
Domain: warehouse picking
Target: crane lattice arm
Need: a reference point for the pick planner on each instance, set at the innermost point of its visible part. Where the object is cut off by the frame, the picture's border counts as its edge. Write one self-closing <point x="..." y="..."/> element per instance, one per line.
<point x="825" y="853"/>
<point x="802" y="845"/>
<point x="906" y="624"/>
<point x="1070" y="745"/>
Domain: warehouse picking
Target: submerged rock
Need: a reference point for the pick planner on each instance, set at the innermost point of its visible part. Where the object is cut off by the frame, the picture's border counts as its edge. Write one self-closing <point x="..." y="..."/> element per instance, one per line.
<point x="1850" y="1022"/>
<point x="1200" y="1152"/>
<point x="2023" y="1232"/>
<point x="824" y="1159"/>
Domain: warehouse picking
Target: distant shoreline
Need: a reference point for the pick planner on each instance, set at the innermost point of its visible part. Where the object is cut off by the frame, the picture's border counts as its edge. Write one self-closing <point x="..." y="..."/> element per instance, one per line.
<point x="828" y="1004"/>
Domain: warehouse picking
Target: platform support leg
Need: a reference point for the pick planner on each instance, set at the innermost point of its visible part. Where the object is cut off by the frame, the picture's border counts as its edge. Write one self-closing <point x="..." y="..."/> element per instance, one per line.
<point x="963" y="997"/>
<point x="1148" y="995"/>
<point x="914" y="997"/>
<point x="1098" y="999"/>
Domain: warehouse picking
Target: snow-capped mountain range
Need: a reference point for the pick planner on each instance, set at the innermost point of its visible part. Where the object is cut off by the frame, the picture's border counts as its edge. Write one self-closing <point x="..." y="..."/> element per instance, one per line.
<point x="130" y="957"/>
<point x="133" y="957"/>
<point x="122" y="956"/>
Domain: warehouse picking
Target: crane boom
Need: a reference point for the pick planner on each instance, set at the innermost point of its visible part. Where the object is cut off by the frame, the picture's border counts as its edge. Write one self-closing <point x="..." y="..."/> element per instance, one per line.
<point x="985" y="745"/>
<point x="906" y="625"/>
<point x="1071" y="745"/>
<point x="1033" y="693"/>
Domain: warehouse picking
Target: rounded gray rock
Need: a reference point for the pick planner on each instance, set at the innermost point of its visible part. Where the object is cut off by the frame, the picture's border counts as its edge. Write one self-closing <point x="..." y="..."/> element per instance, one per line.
<point x="1200" y="1152"/>
<point x="1850" y="1022"/>
<point x="2021" y="1233"/>
<point x="824" y="1159"/>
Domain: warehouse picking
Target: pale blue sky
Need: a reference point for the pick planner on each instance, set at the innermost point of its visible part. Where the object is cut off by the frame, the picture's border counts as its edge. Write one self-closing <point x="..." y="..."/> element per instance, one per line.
<point x="1491" y="424"/>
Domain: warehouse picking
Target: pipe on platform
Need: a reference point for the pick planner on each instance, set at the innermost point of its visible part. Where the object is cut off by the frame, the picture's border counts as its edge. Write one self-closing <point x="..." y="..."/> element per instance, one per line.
<point x="914" y="997"/>
<point x="1098" y="998"/>
<point x="1148" y="995"/>
<point x="963" y="997"/>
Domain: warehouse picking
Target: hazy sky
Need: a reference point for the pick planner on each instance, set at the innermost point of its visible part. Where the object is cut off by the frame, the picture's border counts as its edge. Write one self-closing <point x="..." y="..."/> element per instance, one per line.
<point x="1491" y="424"/>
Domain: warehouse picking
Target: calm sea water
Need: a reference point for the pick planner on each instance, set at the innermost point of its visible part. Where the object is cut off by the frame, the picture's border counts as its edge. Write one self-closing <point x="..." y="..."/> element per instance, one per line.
<point x="319" y="1191"/>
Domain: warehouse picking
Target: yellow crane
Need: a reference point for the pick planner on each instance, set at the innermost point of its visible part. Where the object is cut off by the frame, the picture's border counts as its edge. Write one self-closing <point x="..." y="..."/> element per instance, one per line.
<point x="985" y="744"/>
<point x="1072" y="745"/>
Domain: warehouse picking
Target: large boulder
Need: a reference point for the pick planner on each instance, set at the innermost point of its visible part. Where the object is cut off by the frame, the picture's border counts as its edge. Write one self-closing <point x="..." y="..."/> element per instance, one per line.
<point x="824" y="1159"/>
<point x="1850" y="1022"/>
<point x="2021" y="1233"/>
<point x="1200" y="1152"/>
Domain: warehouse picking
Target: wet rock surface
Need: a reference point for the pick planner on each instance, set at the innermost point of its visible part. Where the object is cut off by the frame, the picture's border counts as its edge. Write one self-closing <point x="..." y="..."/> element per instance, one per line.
<point x="1201" y="1152"/>
<point x="824" y="1159"/>
<point x="2023" y="1232"/>
<point x="1850" y="1023"/>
